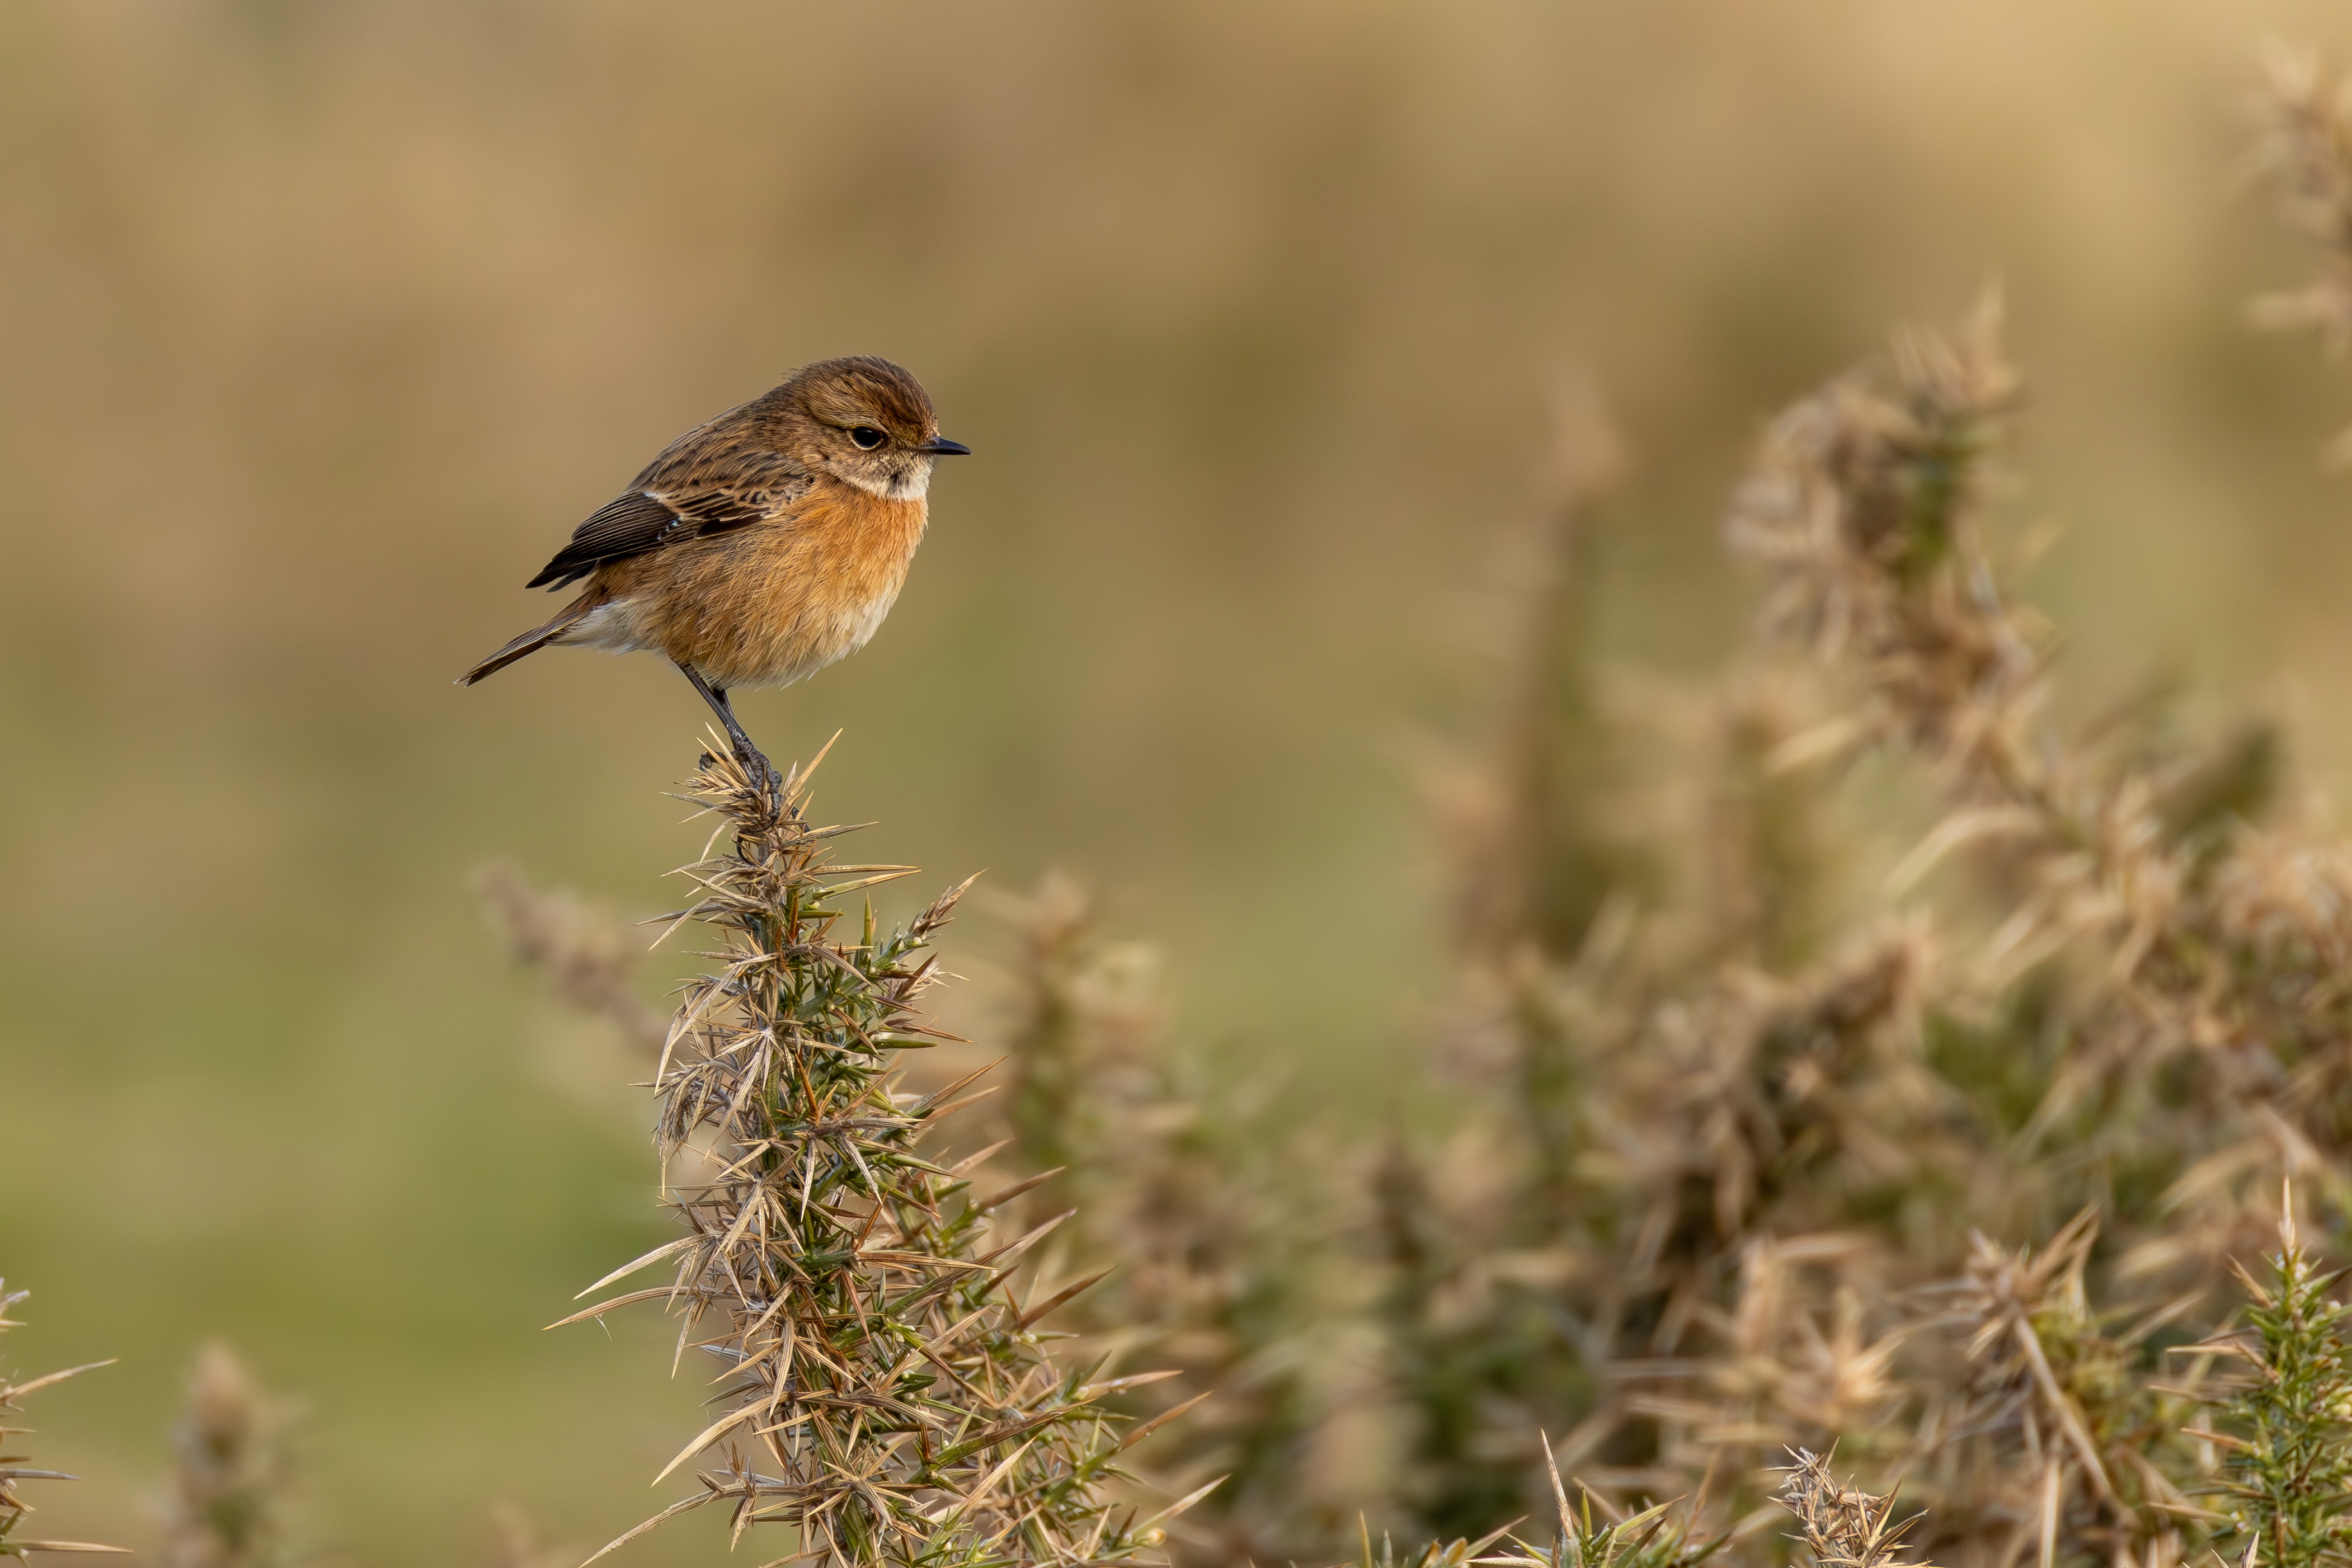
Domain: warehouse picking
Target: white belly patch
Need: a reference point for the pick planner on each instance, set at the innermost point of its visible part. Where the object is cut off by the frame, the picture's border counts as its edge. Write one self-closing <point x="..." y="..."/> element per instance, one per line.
<point x="612" y="626"/>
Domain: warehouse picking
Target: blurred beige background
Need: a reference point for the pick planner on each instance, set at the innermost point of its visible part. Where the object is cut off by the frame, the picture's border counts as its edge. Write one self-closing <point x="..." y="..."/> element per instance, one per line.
<point x="320" y="325"/>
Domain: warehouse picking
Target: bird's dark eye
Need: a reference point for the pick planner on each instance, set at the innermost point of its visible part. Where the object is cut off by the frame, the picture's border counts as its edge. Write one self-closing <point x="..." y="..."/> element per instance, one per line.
<point x="866" y="437"/>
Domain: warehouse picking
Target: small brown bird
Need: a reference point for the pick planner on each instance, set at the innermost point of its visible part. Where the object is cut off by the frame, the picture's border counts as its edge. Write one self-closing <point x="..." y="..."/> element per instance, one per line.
<point x="762" y="546"/>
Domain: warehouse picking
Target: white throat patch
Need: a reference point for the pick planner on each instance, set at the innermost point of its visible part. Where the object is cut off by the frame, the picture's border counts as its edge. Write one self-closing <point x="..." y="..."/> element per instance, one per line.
<point x="912" y="485"/>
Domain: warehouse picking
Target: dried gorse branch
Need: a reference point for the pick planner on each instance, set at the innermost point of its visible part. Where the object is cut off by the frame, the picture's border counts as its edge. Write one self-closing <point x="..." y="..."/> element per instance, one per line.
<point x="1842" y="1527"/>
<point x="885" y="1389"/>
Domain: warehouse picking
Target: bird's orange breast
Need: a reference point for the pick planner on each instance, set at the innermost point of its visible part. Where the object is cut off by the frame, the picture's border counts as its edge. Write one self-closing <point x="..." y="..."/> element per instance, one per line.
<point x="767" y="604"/>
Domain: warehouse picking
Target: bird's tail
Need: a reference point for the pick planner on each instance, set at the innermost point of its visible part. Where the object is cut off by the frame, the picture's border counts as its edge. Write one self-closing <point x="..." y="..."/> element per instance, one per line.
<point x="532" y="641"/>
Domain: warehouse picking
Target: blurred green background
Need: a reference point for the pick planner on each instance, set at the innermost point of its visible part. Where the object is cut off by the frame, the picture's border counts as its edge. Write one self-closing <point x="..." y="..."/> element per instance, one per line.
<point x="321" y="324"/>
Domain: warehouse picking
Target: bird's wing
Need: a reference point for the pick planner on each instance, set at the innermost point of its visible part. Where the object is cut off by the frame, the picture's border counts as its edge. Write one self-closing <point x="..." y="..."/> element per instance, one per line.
<point x="675" y="502"/>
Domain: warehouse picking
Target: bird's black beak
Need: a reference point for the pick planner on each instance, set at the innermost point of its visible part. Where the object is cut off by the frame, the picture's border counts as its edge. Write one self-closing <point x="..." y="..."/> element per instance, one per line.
<point x="941" y="446"/>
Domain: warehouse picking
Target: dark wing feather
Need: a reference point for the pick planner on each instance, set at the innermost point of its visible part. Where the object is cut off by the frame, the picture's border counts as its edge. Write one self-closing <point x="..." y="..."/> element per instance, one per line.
<point x="634" y="523"/>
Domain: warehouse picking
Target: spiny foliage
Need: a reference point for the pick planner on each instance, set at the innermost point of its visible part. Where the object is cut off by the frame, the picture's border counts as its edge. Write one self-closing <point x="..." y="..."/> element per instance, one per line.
<point x="1663" y="1535"/>
<point x="1085" y="1011"/>
<point x="15" y="1469"/>
<point x="2056" y="1394"/>
<point x="1842" y="1527"/>
<point x="885" y="1391"/>
<point x="2288" y="1473"/>
<point x="1172" y="1163"/>
<point x="1458" y="1553"/>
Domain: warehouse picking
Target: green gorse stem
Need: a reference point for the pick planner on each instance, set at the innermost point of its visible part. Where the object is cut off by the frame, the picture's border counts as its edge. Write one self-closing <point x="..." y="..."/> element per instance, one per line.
<point x="2289" y="1467"/>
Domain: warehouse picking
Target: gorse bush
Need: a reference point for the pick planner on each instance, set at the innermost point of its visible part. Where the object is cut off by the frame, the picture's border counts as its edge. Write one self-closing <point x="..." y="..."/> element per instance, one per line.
<point x="887" y="1393"/>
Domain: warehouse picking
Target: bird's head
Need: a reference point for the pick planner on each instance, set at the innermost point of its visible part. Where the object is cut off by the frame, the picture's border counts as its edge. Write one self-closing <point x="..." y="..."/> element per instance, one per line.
<point x="869" y="422"/>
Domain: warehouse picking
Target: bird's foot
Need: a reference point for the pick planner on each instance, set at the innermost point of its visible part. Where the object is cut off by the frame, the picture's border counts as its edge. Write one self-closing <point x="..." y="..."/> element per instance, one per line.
<point x="764" y="777"/>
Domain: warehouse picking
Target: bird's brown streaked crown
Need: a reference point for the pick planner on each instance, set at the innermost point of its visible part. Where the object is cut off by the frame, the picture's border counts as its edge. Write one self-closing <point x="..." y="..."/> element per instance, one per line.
<point x="821" y="410"/>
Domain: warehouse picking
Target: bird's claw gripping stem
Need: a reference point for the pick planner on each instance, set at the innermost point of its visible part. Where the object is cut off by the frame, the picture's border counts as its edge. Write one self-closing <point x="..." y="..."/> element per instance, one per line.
<point x="764" y="777"/>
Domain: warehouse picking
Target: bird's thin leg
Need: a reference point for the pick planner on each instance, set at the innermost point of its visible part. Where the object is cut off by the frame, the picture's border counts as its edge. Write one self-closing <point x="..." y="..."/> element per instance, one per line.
<point x="753" y="758"/>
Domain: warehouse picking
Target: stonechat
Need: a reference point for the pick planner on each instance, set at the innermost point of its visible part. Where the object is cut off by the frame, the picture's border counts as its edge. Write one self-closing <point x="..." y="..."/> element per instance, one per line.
<point x="761" y="547"/>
